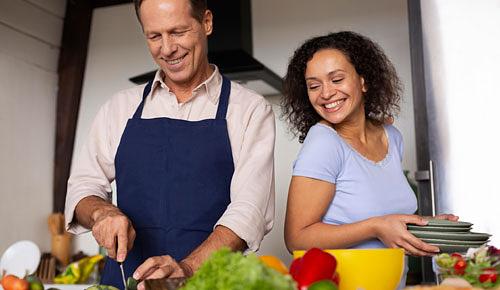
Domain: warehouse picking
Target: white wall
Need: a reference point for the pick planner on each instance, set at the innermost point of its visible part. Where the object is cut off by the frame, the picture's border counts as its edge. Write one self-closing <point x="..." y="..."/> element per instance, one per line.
<point x="117" y="51"/>
<point x="30" y="34"/>
<point x="462" y="108"/>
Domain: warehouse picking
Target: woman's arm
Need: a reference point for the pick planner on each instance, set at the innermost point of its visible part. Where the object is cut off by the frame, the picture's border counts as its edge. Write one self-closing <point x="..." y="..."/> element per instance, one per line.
<point x="308" y="201"/>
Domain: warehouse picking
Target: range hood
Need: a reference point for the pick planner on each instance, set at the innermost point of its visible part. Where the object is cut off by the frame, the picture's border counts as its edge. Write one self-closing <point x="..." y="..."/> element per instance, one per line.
<point x="230" y="48"/>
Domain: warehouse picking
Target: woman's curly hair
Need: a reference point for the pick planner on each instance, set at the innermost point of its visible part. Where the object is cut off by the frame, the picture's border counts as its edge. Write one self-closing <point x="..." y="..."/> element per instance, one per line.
<point x="381" y="101"/>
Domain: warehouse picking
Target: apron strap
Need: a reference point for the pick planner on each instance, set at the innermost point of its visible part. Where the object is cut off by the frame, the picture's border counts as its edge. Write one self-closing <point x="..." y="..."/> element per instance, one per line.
<point x="223" y="98"/>
<point x="138" y="111"/>
<point x="221" y="109"/>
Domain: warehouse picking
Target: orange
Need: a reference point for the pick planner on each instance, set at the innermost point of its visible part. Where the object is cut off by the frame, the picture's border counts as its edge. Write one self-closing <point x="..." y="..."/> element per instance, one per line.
<point x="8" y="281"/>
<point x="11" y="282"/>
<point x="20" y="284"/>
<point x="274" y="263"/>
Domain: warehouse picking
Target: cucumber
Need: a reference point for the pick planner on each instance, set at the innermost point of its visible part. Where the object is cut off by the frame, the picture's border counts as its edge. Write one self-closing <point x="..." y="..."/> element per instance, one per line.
<point x="131" y="284"/>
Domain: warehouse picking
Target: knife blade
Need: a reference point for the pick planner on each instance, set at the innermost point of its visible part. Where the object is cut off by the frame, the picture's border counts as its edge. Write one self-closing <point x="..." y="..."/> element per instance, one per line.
<point x="123" y="275"/>
<point x="120" y="264"/>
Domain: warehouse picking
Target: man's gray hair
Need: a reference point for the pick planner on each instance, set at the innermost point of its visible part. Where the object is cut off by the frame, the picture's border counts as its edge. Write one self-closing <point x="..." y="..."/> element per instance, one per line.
<point x="198" y="8"/>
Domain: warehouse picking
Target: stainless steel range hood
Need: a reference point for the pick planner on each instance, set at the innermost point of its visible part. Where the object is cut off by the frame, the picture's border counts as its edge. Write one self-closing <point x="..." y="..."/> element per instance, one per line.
<point x="230" y="48"/>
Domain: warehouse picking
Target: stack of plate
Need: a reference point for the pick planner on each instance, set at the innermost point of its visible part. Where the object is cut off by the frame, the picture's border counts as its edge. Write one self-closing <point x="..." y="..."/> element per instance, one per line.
<point x="449" y="236"/>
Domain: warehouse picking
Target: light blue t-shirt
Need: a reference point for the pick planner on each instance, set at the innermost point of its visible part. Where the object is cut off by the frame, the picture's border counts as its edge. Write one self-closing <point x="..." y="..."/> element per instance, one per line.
<point x="363" y="188"/>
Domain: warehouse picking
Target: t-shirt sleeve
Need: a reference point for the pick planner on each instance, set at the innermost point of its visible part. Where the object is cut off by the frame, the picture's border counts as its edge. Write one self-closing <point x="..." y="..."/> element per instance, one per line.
<point x="398" y="140"/>
<point x="321" y="156"/>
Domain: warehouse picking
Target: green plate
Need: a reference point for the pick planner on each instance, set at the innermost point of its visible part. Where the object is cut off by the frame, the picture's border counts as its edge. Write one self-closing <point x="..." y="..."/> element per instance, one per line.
<point x="451" y="236"/>
<point x="447" y="223"/>
<point x="447" y="248"/>
<point x="454" y="242"/>
<point x="439" y="229"/>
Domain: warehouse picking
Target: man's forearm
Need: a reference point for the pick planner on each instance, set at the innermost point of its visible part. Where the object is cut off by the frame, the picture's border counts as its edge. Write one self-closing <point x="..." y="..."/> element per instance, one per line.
<point x="220" y="237"/>
<point x="88" y="209"/>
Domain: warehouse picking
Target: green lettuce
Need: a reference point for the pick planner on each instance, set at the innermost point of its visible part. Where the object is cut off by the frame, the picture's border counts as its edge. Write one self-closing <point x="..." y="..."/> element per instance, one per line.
<point x="226" y="270"/>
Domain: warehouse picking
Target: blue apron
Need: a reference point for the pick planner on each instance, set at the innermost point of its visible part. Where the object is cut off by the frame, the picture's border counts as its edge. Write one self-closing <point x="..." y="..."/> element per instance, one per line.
<point x="173" y="181"/>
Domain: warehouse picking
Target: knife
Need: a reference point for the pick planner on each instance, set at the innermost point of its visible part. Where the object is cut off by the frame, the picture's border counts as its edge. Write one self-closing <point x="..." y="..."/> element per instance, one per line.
<point x="120" y="264"/>
<point x="123" y="275"/>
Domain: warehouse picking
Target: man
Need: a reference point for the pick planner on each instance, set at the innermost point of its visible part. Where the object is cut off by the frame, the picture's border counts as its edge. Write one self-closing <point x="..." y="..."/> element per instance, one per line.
<point x="191" y="152"/>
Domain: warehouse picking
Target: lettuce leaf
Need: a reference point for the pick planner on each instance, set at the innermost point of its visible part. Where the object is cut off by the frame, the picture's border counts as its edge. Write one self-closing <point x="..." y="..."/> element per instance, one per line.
<point x="226" y="270"/>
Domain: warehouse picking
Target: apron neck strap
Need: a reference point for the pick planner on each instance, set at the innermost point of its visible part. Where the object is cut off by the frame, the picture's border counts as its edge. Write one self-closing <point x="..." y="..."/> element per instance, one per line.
<point x="224" y="98"/>
<point x="221" y="109"/>
<point x="145" y="93"/>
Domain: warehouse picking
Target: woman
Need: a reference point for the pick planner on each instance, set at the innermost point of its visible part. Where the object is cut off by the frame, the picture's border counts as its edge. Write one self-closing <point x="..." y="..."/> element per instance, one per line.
<point x="348" y="189"/>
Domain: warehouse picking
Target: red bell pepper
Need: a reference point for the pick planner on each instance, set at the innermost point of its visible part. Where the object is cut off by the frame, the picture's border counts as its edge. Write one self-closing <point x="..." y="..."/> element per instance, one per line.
<point x="314" y="266"/>
<point x="336" y="278"/>
<point x="295" y="267"/>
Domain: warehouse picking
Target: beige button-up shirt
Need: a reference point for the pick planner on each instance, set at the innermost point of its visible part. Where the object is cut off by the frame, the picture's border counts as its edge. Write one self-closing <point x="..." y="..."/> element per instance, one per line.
<point x="251" y="129"/>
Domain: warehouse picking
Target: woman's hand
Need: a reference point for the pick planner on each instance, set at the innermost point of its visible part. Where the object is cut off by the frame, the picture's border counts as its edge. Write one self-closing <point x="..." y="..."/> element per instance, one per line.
<point x="391" y="230"/>
<point x="446" y="216"/>
<point x="161" y="267"/>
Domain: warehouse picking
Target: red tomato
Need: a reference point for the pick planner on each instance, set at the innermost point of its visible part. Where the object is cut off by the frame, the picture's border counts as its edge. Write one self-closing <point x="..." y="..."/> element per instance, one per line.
<point x="459" y="267"/>
<point x="457" y="255"/>
<point x="489" y="274"/>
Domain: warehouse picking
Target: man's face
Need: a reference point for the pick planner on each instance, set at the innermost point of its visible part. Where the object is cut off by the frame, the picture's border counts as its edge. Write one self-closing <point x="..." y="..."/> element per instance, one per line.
<point x="176" y="40"/>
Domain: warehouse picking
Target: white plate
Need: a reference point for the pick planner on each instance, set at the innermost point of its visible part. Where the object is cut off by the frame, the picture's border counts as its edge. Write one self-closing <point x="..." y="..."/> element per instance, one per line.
<point x="20" y="258"/>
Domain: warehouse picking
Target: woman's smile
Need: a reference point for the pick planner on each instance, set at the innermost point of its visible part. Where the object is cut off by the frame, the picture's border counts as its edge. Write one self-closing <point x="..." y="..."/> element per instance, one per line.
<point x="334" y="106"/>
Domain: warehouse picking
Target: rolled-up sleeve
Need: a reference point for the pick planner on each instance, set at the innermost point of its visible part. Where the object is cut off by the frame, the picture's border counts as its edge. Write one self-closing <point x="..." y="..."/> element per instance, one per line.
<point x="92" y="172"/>
<point x="250" y="214"/>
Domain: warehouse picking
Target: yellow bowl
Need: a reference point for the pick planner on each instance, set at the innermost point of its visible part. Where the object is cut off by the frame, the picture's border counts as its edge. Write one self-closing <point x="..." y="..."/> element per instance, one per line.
<point x="368" y="269"/>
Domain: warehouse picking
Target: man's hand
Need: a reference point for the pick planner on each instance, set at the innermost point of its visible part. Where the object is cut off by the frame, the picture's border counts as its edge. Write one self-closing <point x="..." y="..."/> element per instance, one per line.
<point x="112" y="226"/>
<point x="167" y="267"/>
<point x="108" y="224"/>
<point x="160" y="267"/>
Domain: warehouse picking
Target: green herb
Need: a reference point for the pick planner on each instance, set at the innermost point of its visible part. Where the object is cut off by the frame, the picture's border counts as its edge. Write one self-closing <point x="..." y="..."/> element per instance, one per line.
<point x="226" y="270"/>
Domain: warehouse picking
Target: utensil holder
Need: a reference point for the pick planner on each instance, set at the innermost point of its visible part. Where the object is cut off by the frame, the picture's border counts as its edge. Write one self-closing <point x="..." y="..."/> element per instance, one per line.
<point x="61" y="248"/>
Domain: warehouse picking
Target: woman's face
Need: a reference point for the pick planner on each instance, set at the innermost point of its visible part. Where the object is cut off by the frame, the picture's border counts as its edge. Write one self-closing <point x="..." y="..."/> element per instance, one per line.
<point x="334" y="87"/>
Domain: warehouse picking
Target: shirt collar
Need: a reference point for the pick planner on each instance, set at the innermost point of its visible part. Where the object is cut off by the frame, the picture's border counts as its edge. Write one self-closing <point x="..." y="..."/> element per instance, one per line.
<point x="211" y="87"/>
